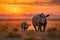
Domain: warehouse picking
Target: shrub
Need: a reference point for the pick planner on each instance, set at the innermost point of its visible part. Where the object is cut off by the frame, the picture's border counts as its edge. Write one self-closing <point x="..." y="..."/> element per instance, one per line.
<point x="15" y="30"/>
<point x="4" y="28"/>
<point x="14" y="35"/>
<point x="30" y="38"/>
<point x="52" y="29"/>
<point x="52" y="35"/>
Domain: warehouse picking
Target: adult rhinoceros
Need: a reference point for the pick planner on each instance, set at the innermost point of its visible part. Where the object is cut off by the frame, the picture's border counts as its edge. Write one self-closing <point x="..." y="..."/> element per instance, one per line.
<point x="40" y="20"/>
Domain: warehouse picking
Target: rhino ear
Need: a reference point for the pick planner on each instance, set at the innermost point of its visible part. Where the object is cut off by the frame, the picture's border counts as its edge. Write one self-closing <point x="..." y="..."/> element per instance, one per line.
<point x="47" y="15"/>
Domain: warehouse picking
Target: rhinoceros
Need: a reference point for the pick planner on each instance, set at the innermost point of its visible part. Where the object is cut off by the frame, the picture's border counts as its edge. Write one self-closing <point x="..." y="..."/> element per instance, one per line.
<point x="39" y="21"/>
<point x="24" y="25"/>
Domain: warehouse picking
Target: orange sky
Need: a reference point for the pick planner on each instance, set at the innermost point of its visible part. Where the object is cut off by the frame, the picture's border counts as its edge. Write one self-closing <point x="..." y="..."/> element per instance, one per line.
<point x="18" y="7"/>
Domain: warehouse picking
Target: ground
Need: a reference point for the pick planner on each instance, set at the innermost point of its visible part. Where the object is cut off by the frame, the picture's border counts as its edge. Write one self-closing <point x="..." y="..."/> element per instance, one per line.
<point x="29" y="35"/>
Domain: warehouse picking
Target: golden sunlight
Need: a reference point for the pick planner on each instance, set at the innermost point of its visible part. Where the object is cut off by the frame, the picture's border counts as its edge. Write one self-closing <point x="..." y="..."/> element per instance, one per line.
<point x="29" y="1"/>
<point x="11" y="9"/>
<point x="45" y="0"/>
<point x="25" y="1"/>
<point x="15" y="9"/>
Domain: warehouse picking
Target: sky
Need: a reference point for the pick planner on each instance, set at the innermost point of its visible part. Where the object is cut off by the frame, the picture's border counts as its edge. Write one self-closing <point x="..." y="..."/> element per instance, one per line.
<point x="17" y="8"/>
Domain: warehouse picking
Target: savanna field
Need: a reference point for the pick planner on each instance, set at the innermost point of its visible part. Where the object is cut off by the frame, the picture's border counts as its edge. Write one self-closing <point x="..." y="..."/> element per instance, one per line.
<point x="11" y="30"/>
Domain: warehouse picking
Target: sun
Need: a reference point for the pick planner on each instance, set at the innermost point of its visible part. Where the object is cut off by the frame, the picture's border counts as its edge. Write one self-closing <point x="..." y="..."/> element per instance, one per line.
<point x="14" y="9"/>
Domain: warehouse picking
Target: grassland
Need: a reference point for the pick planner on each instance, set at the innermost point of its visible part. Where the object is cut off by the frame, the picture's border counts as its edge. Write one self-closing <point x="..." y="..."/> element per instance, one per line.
<point x="30" y="35"/>
<point x="11" y="31"/>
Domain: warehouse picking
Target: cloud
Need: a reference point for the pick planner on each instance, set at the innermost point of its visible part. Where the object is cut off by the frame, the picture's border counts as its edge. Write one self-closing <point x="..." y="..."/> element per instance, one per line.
<point x="31" y="2"/>
<point x="22" y="16"/>
<point x="56" y="2"/>
<point x="36" y="2"/>
<point x="43" y="2"/>
<point x="26" y="16"/>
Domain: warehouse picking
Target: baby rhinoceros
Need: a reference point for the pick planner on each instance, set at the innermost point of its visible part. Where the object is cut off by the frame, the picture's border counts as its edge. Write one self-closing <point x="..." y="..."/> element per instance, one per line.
<point x="24" y="25"/>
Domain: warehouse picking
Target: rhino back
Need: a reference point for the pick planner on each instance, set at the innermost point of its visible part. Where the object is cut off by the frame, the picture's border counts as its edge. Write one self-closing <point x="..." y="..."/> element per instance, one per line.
<point x="35" y="20"/>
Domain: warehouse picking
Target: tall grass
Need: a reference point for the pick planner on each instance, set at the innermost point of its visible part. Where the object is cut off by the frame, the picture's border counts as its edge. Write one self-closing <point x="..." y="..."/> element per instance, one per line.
<point x="4" y="27"/>
<point x="52" y="29"/>
<point x="53" y="33"/>
<point x="14" y="35"/>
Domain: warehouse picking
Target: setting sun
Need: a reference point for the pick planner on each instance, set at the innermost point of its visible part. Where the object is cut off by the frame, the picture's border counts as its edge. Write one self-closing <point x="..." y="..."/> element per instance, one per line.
<point x="19" y="7"/>
<point x="15" y="9"/>
<point x="12" y="9"/>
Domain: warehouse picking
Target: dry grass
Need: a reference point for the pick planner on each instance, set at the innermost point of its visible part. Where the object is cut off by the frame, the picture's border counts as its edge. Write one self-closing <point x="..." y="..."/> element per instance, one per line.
<point x="30" y="35"/>
<point x="51" y="34"/>
<point x="4" y="27"/>
<point x="14" y="35"/>
<point x="52" y="29"/>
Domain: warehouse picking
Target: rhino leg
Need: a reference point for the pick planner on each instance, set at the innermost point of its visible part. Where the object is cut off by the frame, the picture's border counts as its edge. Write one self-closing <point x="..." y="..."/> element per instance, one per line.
<point x="39" y="28"/>
<point x="35" y="28"/>
<point x="44" y="27"/>
<point x="25" y="28"/>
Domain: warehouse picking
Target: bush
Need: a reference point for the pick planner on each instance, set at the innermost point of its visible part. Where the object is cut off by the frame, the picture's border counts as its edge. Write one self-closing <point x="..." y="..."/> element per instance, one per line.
<point x="52" y="35"/>
<point x="15" y="30"/>
<point x="52" y="29"/>
<point x="4" y="28"/>
<point x="13" y="35"/>
<point x="30" y="38"/>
